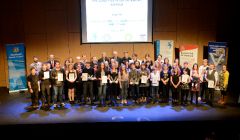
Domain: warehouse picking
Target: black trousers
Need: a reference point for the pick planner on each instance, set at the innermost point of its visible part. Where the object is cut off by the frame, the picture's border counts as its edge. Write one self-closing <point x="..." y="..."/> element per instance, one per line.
<point x="45" y="93"/>
<point x="184" y="95"/>
<point x="134" y="91"/>
<point x="143" y="91"/>
<point x="210" y="96"/>
<point x="196" y="93"/>
<point x="88" y="88"/>
<point x="175" y="93"/>
<point x="113" y="91"/>
<point x="95" y="90"/>
<point x="165" y="93"/>
<point x="79" y="90"/>
<point x="34" y="97"/>
<point x="204" y="87"/>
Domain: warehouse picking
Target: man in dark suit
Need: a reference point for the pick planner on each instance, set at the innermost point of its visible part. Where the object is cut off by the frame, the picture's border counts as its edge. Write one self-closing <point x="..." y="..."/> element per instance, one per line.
<point x="116" y="58"/>
<point x="126" y="57"/>
<point x="51" y="61"/>
<point x="103" y="58"/>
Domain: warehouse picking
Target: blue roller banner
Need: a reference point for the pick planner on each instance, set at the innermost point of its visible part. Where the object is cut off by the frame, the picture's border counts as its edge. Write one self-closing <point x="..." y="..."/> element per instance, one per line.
<point x="16" y="67"/>
<point x="157" y="48"/>
<point x="217" y="54"/>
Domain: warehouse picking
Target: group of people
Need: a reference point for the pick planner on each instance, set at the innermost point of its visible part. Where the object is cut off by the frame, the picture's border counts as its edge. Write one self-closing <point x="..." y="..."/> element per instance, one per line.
<point x="114" y="80"/>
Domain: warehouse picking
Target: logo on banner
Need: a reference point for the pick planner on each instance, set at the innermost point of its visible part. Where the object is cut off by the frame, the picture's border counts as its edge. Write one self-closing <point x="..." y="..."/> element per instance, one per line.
<point x="15" y="50"/>
<point x="218" y="56"/>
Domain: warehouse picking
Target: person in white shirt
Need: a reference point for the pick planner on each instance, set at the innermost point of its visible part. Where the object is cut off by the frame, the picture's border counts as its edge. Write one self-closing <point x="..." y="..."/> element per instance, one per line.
<point x="155" y="78"/>
<point x="204" y="66"/>
<point x="203" y="83"/>
<point x="185" y="80"/>
<point x="211" y="77"/>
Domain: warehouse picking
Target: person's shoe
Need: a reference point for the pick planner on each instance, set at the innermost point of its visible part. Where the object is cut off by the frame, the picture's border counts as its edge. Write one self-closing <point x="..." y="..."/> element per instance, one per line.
<point x="118" y="98"/>
<point x="122" y="102"/>
<point x="145" y="99"/>
<point x="55" y="105"/>
<point x="62" y="104"/>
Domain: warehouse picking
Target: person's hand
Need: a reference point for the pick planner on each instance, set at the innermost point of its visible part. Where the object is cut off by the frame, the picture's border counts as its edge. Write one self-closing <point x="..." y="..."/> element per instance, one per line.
<point x="39" y="89"/>
<point x="31" y="91"/>
<point x="50" y="86"/>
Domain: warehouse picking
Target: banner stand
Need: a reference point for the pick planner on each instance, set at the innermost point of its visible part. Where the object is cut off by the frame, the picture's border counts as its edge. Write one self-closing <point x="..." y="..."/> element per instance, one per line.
<point x="16" y="68"/>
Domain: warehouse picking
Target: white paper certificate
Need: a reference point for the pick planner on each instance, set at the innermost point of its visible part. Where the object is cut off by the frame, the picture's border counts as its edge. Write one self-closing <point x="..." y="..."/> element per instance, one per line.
<point x="71" y="76"/>
<point x="46" y="75"/>
<point x="185" y="78"/>
<point x="60" y="77"/>
<point x="211" y="84"/>
<point x="84" y="76"/>
<point x="155" y="80"/>
<point x="144" y="79"/>
<point x="104" y="79"/>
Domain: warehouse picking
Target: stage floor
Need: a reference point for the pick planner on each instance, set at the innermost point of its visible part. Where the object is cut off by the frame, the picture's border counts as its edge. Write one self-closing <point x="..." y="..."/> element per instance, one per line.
<point x="13" y="111"/>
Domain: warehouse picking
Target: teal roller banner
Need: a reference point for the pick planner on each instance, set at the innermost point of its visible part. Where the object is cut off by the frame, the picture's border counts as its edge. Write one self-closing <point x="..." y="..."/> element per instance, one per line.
<point x="16" y="67"/>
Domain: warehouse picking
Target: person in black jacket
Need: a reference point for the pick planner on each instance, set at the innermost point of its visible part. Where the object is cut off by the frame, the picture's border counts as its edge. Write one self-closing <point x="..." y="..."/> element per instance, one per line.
<point x="103" y="58"/>
<point x="88" y="83"/>
<point x="44" y="76"/>
<point x="34" y="87"/>
<point x="102" y="76"/>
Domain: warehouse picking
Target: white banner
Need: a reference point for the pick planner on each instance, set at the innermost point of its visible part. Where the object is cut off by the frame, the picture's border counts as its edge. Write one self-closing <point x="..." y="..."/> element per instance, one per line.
<point x="188" y="53"/>
<point x="167" y="49"/>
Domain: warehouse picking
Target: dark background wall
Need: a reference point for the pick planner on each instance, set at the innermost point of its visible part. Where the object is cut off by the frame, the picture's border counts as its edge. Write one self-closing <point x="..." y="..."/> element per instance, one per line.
<point x="53" y="27"/>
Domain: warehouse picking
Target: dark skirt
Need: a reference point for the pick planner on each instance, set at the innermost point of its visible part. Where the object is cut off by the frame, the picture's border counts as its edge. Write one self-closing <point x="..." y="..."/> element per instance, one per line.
<point x="70" y="85"/>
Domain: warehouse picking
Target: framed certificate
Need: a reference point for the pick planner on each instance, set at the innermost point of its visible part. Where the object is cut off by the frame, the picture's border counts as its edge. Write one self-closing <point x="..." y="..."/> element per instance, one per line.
<point x="71" y="76"/>
<point x="46" y="75"/>
<point x="185" y="78"/>
<point x="60" y="77"/>
<point x="131" y="61"/>
<point x="104" y="79"/>
<point x="144" y="79"/>
<point x="84" y="76"/>
<point x="211" y="84"/>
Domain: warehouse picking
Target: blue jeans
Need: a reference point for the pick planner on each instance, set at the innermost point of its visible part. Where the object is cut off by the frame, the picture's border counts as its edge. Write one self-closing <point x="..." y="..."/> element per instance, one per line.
<point x="102" y="92"/>
<point x="58" y="90"/>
